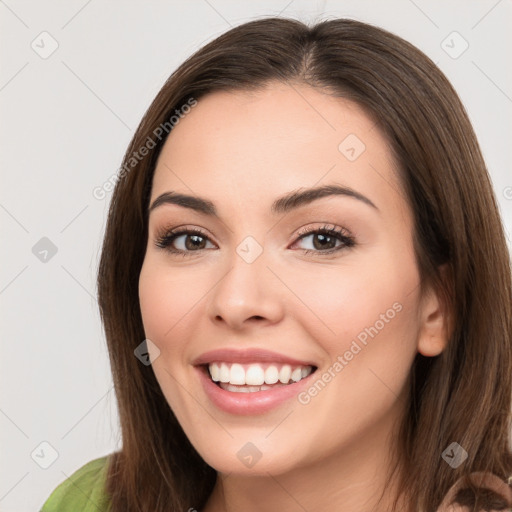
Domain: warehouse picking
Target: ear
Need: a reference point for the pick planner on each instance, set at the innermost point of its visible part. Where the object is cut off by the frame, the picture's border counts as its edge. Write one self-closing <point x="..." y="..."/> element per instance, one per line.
<point x="434" y="314"/>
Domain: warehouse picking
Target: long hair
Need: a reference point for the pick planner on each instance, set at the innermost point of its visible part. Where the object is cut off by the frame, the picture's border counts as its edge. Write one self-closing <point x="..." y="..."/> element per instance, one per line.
<point x="464" y="394"/>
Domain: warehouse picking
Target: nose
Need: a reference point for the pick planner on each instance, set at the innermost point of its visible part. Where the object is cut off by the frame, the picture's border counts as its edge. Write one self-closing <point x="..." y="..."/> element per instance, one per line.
<point x="246" y="294"/>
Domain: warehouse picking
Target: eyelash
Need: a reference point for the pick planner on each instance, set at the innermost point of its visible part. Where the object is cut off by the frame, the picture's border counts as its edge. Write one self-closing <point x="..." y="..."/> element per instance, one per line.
<point x="165" y="240"/>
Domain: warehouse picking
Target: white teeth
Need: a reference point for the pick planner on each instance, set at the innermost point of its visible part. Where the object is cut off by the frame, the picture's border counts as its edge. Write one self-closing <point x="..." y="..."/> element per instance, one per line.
<point x="215" y="372"/>
<point x="254" y="377"/>
<point x="285" y="374"/>
<point x="237" y="374"/>
<point x="246" y="389"/>
<point x="224" y="373"/>
<point x="271" y="375"/>
<point x="297" y="374"/>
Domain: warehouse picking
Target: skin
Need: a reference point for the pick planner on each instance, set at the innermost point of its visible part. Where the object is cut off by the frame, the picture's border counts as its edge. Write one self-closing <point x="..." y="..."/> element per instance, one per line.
<point x="241" y="151"/>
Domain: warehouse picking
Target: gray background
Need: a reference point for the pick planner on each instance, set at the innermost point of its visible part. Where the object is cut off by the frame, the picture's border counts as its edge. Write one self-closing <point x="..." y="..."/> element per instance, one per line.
<point x="66" y="119"/>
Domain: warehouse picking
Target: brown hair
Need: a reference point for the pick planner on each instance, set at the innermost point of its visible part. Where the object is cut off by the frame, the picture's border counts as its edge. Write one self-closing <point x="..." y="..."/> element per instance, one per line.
<point x="462" y="395"/>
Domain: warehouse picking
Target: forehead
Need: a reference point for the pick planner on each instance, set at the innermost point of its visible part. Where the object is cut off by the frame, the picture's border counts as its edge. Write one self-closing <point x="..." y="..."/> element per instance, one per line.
<point x="247" y="146"/>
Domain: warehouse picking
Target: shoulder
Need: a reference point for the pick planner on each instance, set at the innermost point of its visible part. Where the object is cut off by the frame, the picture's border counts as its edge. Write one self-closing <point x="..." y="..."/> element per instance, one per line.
<point x="480" y="479"/>
<point x="83" y="490"/>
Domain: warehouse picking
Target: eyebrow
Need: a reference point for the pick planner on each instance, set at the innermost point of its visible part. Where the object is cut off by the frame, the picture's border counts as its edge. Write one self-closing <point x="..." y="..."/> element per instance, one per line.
<point x="284" y="204"/>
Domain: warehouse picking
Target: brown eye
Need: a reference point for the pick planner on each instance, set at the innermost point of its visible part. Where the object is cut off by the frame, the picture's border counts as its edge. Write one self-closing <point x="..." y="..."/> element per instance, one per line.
<point x="184" y="241"/>
<point x="326" y="240"/>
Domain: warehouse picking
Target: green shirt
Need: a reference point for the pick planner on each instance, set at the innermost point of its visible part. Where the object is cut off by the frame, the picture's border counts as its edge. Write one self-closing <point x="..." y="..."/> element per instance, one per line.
<point x="83" y="491"/>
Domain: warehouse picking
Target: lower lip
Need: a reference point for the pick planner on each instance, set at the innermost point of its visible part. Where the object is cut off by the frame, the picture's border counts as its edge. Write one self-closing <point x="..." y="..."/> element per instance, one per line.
<point x="257" y="402"/>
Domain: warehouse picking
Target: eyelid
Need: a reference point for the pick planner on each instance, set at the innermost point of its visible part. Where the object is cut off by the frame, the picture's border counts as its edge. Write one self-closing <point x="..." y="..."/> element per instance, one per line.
<point x="173" y="233"/>
<point x="341" y="233"/>
<point x="339" y="230"/>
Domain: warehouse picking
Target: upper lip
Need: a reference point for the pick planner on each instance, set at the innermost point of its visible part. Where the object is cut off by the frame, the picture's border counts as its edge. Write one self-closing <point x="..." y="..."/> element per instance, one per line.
<point x="249" y="355"/>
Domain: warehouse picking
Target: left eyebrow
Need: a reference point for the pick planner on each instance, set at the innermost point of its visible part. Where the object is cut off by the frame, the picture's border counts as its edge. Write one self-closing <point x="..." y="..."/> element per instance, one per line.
<point x="284" y="204"/>
<point x="302" y="197"/>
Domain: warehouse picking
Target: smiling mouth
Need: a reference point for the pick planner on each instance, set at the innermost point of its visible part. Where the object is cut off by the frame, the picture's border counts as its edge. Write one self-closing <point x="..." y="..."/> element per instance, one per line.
<point x="255" y="377"/>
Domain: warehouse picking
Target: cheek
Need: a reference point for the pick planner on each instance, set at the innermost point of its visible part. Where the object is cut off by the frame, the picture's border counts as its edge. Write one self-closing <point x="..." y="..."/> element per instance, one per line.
<point x="166" y="300"/>
<point x="368" y="330"/>
<point x="358" y="300"/>
<point x="155" y="303"/>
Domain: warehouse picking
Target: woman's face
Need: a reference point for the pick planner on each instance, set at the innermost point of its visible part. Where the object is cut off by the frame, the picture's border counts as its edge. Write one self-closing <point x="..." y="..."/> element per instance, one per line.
<point x="252" y="297"/>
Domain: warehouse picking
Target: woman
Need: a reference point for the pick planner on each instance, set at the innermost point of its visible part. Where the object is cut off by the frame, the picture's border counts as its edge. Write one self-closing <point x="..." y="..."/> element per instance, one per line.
<point x="305" y="287"/>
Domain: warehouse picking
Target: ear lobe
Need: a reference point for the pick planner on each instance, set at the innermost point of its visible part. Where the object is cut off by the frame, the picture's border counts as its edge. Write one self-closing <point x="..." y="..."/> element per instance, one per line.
<point x="434" y="326"/>
<point x="431" y="347"/>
